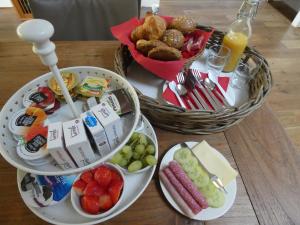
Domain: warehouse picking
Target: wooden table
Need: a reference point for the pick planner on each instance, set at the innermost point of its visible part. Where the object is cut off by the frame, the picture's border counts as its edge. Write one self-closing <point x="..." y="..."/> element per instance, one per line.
<point x="258" y="147"/>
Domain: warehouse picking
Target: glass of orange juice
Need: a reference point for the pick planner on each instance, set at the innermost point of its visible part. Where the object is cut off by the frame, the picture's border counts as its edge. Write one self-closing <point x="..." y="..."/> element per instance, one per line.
<point x="217" y="58"/>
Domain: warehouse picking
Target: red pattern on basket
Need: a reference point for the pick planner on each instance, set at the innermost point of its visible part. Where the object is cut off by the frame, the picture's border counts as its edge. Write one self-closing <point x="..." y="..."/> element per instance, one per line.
<point x="169" y="96"/>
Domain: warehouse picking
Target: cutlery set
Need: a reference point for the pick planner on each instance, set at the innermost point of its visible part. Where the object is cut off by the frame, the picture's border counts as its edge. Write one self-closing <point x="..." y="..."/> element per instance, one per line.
<point x="190" y="84"/>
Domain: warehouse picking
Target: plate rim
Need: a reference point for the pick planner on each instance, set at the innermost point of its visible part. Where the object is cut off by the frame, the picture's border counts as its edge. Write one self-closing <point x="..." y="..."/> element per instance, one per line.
<point x="177" y="208"/>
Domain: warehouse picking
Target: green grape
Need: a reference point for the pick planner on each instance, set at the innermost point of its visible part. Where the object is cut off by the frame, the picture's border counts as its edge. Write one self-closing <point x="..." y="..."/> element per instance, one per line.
<point x="143" y="139"/>
<point x="116" y="159"/>
<point x="135" y="166"/>
<point x="150" y="149"/>
<point x="127" y="152"/>
<point x="136" y="155"/>
<point x="126" y="148"/>
<point x="123" y="162"/>
<point x="151" y="160"/>
<point x="134" y="136"/>
<point x="140" y="149"/>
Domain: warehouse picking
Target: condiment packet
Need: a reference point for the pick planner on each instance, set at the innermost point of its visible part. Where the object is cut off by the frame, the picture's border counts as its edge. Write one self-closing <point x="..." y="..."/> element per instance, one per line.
<point x="56" y="147"/>
<point x="41" y="191"/>
<point x="24" y="119"/>
<point x="70" y="79"/>
<point x="41" y="97"/>
<point x="92" y="86"/>
<point x="119" y="101"/>
<point x="78" y="143"/>
<point x="111" y="122"/>
<point x="96" y="133"/>
<point x="33" y="145"/>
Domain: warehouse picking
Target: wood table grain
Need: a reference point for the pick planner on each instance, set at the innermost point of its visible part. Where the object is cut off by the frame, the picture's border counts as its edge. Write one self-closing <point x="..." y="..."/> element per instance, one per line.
<point x="268" y="164"/>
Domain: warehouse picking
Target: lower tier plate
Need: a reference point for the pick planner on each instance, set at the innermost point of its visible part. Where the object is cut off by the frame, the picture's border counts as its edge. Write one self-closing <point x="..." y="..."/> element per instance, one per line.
<point x="135" y="184"/>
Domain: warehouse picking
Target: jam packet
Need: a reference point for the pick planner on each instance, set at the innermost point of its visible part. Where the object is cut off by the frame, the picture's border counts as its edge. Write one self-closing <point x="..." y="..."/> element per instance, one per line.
<point x="33" y="145"/>
<point x="24" y="119"/>
<point x="41" y="97"/>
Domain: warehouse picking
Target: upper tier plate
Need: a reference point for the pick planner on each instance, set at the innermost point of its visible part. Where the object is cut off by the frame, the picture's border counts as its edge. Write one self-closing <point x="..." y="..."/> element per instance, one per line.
<point x="8" y="143"/>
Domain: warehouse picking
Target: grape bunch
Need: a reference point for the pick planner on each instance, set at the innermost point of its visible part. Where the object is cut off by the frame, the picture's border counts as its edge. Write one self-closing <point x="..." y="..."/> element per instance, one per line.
<point x="136" y="154"/>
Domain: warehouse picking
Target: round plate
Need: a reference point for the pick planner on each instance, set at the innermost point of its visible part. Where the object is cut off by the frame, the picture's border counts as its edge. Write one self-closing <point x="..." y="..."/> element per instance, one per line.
<point x="64" y="214"/>
<point x="15" y="103"/>
<point x="205" y="214"/>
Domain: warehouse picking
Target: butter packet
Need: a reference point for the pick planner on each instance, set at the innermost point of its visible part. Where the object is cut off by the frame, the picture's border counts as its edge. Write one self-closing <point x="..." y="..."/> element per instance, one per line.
<point x="92" y="86"/>
<point x="119" y="101"/>
<point x="78" y="143"/>
<point x="96" y="133"/>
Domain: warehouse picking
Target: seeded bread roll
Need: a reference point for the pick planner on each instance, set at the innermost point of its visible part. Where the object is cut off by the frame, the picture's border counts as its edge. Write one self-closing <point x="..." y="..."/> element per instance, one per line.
<point x="165" y="53"/>
<point x="145" y="46"/>
<point x="183" y="23"/>
<point x="173" y="38"/>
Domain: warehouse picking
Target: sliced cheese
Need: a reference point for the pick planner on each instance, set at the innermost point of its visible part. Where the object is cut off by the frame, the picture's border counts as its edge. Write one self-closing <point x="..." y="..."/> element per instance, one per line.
<point x="214" y="163"/>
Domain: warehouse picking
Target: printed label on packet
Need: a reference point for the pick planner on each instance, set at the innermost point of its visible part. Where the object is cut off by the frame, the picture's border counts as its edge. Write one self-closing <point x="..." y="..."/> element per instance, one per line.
<point x="25" y="120"/>
<point x="35" y="143"/>
<point x="37" y="97"/>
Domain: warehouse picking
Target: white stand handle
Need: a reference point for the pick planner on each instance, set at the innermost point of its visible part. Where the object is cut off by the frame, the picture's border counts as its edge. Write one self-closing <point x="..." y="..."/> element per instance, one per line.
<point x="38" y="32"/>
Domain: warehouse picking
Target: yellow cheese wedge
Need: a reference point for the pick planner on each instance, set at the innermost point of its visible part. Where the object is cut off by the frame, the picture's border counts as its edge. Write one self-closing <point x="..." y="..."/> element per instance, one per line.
<point x="213" y="163"/>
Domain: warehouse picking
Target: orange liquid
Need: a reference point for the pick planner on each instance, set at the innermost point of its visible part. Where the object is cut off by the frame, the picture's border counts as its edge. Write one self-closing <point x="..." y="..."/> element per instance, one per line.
<point x="237" y="43"/>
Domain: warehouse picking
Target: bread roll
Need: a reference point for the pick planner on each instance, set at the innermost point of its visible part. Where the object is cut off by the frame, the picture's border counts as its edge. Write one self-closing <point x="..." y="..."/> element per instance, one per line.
<point x="184" y="24"/>
<point x="173" y="38"/>
<point x="145" y="46"/>
<point x="154" y="27"/>
<point x="165" y="53"/>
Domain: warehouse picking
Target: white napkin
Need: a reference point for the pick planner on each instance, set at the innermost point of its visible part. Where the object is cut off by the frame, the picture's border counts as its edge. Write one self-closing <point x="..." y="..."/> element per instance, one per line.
<point x="234" y="96"/>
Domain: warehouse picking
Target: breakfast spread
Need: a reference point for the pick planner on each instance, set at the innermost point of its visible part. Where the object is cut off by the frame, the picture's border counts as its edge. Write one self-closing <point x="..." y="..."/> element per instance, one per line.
<point x="44" y="140"/>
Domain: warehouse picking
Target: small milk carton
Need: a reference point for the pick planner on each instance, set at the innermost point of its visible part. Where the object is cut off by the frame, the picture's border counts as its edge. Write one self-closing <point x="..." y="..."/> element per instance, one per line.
<point x="78" y="143"/>
<point x="96" y="133"/>
<point x="56" y="147"/>
<point x="110" y="121"/>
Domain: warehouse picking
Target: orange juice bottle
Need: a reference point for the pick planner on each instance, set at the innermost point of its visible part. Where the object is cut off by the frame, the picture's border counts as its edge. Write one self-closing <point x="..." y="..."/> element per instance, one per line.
<point x="239" y="33"/>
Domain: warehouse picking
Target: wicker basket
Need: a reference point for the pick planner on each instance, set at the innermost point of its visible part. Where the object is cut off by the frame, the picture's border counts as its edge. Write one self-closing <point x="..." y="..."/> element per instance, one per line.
<point x="177" y="119"/>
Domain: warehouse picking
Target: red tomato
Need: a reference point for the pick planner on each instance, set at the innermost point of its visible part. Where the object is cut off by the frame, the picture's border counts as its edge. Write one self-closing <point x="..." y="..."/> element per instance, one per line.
<point x="87" y="176"/>
<point x="105" y="202"/>
<point x="93" y="188"/>
<point x="115" y="176"/>
<point x="103" y="176"/>
<point x="90" y="204"/>
<point x="79" y="186"/>
<point x="114" y="190"/>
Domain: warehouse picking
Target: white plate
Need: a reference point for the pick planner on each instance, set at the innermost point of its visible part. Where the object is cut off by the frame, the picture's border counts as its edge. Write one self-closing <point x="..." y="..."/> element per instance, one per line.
<point x="15" y="103"/>
<point x="205" y="214"/>
<point x="65" y="214"/>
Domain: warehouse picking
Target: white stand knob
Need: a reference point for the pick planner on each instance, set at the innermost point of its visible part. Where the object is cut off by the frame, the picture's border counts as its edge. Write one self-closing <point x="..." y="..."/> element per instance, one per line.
<point x="38" y="32"/>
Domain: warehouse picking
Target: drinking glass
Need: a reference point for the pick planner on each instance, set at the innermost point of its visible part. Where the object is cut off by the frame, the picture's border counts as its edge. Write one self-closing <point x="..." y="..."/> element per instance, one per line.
<point x="216" y="60"/>
<point x="241" y="76"/>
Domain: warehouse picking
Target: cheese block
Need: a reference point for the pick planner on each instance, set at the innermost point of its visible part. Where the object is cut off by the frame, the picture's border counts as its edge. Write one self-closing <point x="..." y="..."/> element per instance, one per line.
<point x="214" y="163"/>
